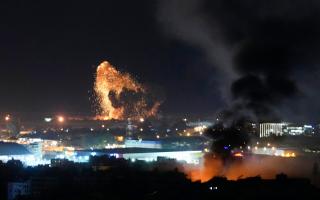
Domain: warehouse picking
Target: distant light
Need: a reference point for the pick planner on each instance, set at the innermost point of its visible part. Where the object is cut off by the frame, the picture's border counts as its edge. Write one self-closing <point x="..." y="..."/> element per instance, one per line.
<point x="188" y="134"/>
<point x="102" y="126"/>
<point x="141" y="119"/>
<point x="141" y="129"/>
<point x="213" y="188"/>
<point x="238" y="155"/>
<point x="158" y="136"/>
<point x="185" y="119"/>
<point x="268" y="144"/>
<point x="120" y="138"/>
<point x="48" y="119"/>
<point x="7" y="118"/>
<point x="60" y="119"/>
<point x="91" y="129"/>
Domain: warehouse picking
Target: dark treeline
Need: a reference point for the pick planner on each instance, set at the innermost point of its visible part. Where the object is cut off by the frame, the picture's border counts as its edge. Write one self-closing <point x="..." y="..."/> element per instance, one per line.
<point x="110" y="178"/>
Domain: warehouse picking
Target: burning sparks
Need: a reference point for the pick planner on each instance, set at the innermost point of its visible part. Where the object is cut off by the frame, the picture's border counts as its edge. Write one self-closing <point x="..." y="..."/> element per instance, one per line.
<point x="114" y="89"/>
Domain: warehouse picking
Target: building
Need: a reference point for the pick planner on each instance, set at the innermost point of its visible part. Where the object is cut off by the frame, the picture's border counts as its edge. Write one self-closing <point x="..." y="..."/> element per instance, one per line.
<point x="14" y="151"/>
<point x="190" y="157"/>
<point x="144" y="154"/>
<point x="129" y="129"/>
<point x="152" y="144"/>
<point x="272" y="151"/>
<point x="36" y="149"/>
<point x="16" y="189"/>
<point x="63" y="163"/>
<point x="268" y="129"/>
<point x="294" y="130"/>
<point x="298" y="130"/>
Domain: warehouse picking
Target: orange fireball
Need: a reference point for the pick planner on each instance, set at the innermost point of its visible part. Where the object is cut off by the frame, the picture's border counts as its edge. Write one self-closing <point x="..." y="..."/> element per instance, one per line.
<point x="109" y="81"/>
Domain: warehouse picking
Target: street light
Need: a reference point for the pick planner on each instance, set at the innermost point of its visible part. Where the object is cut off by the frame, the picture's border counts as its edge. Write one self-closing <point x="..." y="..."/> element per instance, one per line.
<point x="60" y="119"/>
<point x="7" y="118"/>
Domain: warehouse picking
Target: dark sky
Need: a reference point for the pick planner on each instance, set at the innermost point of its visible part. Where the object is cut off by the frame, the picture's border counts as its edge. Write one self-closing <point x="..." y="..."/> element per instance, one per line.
<point x="49" y="52"/>
<point x="203" y="56"/>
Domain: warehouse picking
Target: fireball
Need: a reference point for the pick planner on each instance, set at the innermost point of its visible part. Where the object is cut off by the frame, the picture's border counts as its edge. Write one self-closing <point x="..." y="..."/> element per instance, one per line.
<point x="119" y="96"/>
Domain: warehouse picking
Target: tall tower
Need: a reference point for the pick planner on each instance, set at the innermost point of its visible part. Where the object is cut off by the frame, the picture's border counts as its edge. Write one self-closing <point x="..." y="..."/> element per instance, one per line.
<point x="129" y="130"/>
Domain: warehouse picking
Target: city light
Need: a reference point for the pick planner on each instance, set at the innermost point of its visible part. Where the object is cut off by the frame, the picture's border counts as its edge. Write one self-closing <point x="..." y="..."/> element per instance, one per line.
<point x="7" y="118"/>
<point x="48" y="119"/>
<point x="120" y="138"/>
<point x="238" y="155"/>
<point x="61" y="119"/>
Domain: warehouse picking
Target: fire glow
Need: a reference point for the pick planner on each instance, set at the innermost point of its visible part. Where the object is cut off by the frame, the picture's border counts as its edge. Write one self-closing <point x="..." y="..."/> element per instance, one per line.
<point x="111" y="85"/>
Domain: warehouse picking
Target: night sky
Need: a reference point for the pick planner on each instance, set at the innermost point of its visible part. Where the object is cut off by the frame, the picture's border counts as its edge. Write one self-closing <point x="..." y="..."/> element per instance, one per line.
<point x="243" y="58"/>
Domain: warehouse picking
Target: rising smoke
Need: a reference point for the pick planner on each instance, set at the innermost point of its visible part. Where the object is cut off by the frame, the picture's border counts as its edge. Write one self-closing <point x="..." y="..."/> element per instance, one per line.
<point x="265" y="60"/>
<point x="262" y="53"/>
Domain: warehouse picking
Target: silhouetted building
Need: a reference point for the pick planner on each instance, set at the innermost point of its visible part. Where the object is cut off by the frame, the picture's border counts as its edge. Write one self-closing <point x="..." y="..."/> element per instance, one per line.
<point x="16" y="189"/>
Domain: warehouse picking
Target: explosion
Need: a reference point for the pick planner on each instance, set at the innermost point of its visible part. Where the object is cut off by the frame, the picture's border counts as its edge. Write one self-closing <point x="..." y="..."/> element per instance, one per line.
<point x="119" y="96"/>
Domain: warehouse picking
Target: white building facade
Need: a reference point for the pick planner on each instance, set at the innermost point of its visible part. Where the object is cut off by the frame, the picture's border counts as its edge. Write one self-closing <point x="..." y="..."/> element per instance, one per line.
<point x="268" y="129"/>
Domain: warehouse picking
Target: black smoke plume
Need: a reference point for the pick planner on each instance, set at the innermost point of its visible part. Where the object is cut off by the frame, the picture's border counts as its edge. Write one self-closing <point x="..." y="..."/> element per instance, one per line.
<point x="264" y="53"/>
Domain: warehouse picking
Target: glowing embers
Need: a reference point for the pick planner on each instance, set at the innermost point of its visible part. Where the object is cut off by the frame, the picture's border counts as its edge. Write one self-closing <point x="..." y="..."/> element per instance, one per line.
<point x="119" y="96"/>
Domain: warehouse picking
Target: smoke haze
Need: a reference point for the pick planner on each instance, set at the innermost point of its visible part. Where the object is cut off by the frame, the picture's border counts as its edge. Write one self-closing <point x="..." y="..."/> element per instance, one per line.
<point x="263" y="53"/>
